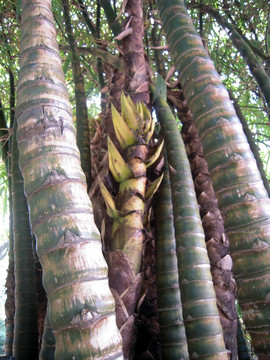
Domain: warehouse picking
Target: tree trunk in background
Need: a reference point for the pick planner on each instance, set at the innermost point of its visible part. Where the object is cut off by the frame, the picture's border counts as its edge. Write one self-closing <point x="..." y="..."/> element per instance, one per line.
<point x="25" y="343"/>
<point x="242" y="198"/>
<point x="81" y="307"/>
<point x="10" y="280"/>
<point x="82" y="122"/>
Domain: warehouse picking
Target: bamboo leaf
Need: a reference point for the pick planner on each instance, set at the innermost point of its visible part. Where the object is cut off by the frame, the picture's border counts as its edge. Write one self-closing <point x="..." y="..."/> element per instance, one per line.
<point x="129" y="112"/>
<point x="153" y="187"/>
<point x="154" y="157"/>
<point x="66" y="63"/>
<point x="147" y="119"/>
<point x="110" y="205"/>
<point x="117" y="164"/>
<point x="124" y="134"/>
<point x="151" y="130"/>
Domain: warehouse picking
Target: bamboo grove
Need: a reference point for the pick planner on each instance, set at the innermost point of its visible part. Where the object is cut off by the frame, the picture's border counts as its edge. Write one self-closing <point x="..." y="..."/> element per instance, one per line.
<point x="143" y="231"/>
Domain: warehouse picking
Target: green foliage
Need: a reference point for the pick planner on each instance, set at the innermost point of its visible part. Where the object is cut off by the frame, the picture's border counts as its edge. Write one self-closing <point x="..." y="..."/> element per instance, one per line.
<point x="250" y="18"/>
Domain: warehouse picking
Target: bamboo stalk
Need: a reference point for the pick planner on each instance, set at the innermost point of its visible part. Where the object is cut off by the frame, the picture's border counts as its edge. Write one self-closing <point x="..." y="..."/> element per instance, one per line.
<point x="25" y="343"/>
<point x="201" y="319"/>
<point x="172" y="329"/>
<point x="242" y="198"/>
<point x="82" y="122"/>
<point x="81" y="306"/>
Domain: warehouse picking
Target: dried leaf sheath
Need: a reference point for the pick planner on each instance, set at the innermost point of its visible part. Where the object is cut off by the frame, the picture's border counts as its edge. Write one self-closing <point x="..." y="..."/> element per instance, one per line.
<point x="243" y="200"/>
<point x="81" y="306"/>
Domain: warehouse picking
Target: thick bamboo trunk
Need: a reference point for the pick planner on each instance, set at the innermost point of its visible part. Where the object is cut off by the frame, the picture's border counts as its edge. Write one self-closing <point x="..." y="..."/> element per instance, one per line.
<point x="242" y="198"/>
<point x="81" y="307"/>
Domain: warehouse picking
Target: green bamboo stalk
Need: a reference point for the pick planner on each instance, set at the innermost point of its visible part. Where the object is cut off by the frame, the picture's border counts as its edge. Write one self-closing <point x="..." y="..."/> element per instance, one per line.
<point x="244" y="351"/>
<point x="111" y="17"/>
<point x="217" y="242"/>
<point x="201" y="319"/>
<point x="172" y="329"/>
<point x="95" y="31"/>
<point x="10" y="280"/>
<point x="243" y="200"/>
<point x="254" y="64"/>
<point x="3" y="136"/>
<point x="156" y="41"/>
<point x="87" y="19"/>
<point x="48" y="341"/>
<point x="108" y="58"/>
<point x="11" y="97"/>
<point x="82" y="122"/>
<point x="10" y="286"/>
<point x="81" y="307"/>
<point x="25" y="343"/>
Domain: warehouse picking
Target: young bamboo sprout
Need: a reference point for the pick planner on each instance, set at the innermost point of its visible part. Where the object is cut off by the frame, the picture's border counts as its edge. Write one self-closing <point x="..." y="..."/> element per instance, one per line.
<point x="134" y="128"/>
